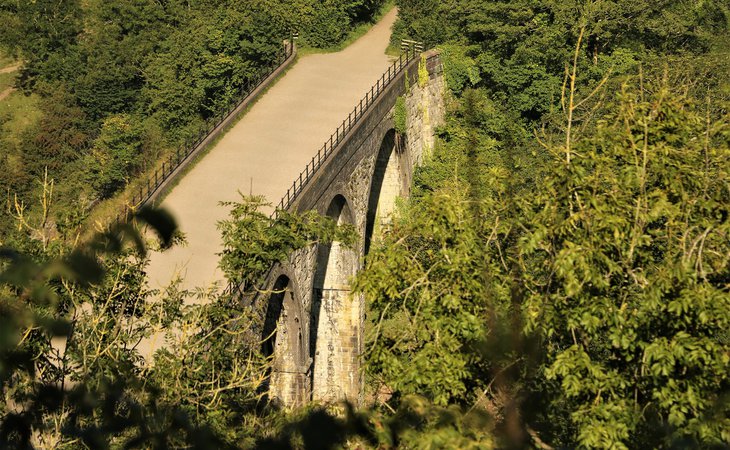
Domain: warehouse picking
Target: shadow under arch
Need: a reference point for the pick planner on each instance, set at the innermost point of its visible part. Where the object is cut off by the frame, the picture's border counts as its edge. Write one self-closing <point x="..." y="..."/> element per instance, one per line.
<point x="334" y="338"/>
<point x="283" y="340"/>
<point x="386" y="185"/>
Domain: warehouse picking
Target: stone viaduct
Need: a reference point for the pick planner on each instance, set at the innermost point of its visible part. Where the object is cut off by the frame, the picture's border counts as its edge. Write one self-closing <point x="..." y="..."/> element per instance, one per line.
<point x="313" y="326"/>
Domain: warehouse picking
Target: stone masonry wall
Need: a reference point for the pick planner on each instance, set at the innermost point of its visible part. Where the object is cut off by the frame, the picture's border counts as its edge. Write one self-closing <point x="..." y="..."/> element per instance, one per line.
<point x="338" y="343"/>
<point x="425" y="111"/>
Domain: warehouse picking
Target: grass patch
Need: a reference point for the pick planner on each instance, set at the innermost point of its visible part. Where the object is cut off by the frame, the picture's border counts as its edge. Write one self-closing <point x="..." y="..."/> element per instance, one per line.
<point x="356" y="33"/>
<point x="393" y="50"/>
<point x="17" y="113"/>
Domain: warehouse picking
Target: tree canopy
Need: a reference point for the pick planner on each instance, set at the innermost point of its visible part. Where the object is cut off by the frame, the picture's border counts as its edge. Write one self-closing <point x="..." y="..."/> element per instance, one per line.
<point x="563" y="263"/>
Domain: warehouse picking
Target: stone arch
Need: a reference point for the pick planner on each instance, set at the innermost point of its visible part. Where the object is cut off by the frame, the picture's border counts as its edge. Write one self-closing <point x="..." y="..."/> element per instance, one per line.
<point x="284" y="340"/>
<point x="386" y="184"/>
<point x="335" y="319"/>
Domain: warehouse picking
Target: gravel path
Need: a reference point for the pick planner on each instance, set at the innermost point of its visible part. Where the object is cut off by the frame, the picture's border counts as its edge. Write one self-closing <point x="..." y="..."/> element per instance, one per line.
<point x="267" y="149"/>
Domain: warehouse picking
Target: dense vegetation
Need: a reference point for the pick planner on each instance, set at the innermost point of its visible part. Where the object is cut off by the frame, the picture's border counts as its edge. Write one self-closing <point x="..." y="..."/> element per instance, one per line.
<point x="559" y="279"/>
<point x="564" y="263"/>
<point x="71" y="373"/>
<point x="123" y="82"/>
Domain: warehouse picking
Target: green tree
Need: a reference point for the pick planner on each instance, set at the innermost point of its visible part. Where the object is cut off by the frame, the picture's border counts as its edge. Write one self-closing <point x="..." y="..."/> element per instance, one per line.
<point x="115" y="154"/>
<point x="42" y="33"/>
<point x="603" y="298"/>
<point x="426" y="290"/>
<point x="625" y="269"/>
<point x="253" y="241"/>
<point x="61" y="136"/>
<point x="67" y="348"/>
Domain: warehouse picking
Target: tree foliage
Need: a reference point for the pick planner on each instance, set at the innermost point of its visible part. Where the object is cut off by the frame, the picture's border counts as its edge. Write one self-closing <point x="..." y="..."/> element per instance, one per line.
<point x="610" y="278"/>
<point x="573" y="192"/>
<point x="253" y="241"/>
<point x="625" y="268"/>
<point x="427" y="283"/>
<point x="72" y="371"/>
<point x="115" y="155"/>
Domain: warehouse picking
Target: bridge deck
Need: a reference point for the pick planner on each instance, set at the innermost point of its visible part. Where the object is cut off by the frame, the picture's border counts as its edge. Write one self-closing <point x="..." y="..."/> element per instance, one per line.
<point x="267" y="148"/>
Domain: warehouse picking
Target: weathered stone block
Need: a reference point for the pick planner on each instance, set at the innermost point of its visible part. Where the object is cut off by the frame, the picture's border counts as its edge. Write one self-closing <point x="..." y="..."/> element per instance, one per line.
<point x="319" y="337"/>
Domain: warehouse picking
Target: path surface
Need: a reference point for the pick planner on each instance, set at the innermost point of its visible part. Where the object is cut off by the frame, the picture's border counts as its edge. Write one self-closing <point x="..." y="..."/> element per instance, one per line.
<point x="10" y="69"/>
<point x="6" y="93"/>
<point x="266" y="149"/>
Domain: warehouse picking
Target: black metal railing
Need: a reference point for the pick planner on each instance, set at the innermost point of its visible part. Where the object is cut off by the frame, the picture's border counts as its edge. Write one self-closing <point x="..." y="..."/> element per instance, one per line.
<point x="192" y="145"/>
<point x="353" y="118"/>
<point x="344" y="128"/>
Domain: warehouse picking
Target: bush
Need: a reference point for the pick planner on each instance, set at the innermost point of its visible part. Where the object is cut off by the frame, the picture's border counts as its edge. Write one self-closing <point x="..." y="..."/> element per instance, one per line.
<point x="115" y="155"/>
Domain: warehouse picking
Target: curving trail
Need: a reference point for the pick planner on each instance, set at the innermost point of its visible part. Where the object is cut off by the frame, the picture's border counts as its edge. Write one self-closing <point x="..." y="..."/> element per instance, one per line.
<point x="10" y="69"/>
<point x="266" y="150"/>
